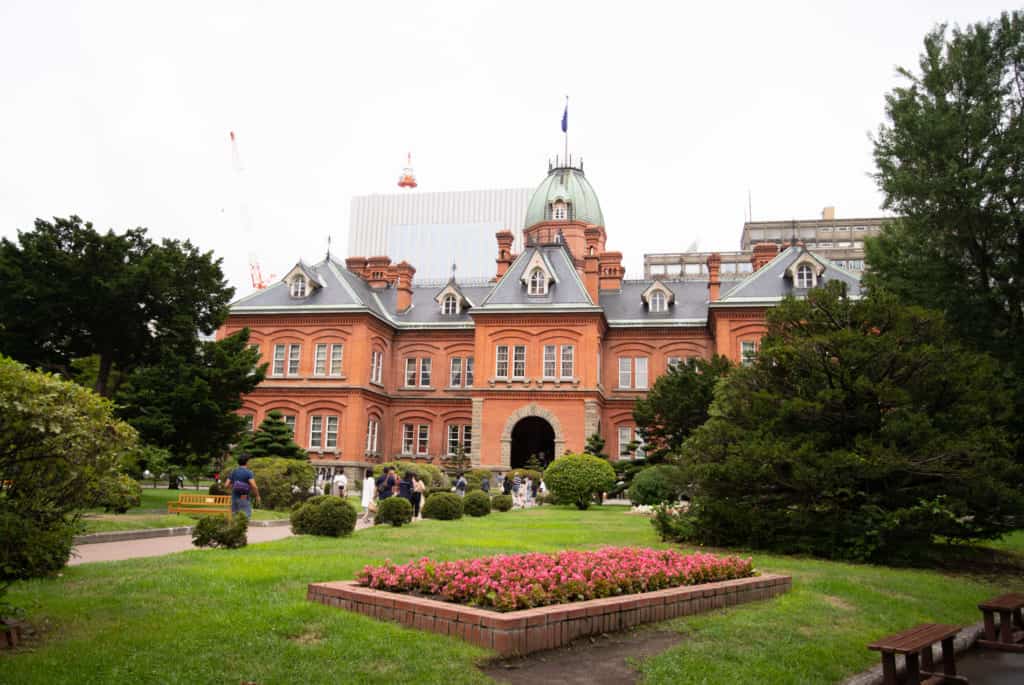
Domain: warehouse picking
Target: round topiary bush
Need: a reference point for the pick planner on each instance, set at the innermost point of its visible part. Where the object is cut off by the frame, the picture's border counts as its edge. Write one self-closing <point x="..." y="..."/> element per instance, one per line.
<point x="477" y="503"/>
<point x="501" y="502"/>
<point x="657" y="484"/>
<point x="324" y="515"/>
<point x="576" y="478"/>
<point x="444" y="506"/>
<point x="435" y="491"/>
<point x="393" y="510"/>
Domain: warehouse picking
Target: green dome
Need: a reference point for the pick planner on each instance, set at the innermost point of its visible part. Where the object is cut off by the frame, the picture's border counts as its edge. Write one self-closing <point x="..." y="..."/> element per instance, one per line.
<point x="570" y="185"/>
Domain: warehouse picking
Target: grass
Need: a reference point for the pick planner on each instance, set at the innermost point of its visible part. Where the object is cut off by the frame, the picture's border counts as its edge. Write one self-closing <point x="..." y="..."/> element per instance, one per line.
<point x="212" y="616"/>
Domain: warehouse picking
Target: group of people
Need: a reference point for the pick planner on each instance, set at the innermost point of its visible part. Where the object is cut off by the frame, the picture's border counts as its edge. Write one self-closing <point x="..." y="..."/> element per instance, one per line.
<point x="524" y="491"/>
<point x="389" y="484"/>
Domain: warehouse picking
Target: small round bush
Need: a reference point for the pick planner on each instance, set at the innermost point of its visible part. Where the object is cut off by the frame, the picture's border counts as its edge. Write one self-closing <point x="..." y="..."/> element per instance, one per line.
<point x="119" y="494"/>
<point x="393" y="510"/>
<point x="444" y="506"/>
<point x="477" y="503"/>
<point x="218" y="488"/>
<point x="475" y="477"/>
<point x="501" y="502"/>
<point x="324" y="515"/>
<point x="435" y="491"/>
<point x="576" y="478"/>
<point x="218" y="531"/>
<point x="657" y="484"/>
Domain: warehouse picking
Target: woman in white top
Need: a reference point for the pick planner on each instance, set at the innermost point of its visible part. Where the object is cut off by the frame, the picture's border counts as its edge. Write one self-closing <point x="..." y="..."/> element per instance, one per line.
<point x="369" y="492"/>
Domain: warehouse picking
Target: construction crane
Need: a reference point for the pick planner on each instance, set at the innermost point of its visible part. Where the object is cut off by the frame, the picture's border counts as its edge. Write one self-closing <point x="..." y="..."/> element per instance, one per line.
<point x="255" y="272"/>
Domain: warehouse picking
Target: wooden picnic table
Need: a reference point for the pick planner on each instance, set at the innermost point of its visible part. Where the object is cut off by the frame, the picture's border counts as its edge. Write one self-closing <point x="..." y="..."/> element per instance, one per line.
<point x="915" y="644"/>
<point x="1009" y="607"/>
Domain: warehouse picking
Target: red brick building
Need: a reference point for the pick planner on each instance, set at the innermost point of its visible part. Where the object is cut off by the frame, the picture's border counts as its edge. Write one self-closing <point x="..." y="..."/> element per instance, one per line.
<point x="369" y="366"/>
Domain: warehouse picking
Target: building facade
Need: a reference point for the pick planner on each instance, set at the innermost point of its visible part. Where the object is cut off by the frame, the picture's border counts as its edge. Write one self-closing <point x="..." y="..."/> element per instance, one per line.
<point x="369" y="365"/>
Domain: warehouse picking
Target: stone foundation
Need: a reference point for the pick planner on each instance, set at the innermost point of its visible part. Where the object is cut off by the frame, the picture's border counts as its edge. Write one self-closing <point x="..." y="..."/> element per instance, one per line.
<point x="532" y="630"/>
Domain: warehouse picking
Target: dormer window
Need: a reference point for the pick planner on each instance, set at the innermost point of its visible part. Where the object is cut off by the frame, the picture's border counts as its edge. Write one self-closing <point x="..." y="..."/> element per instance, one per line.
<point x="450" y="305"/>
<point x="657" y="301"/>
<point x="299" y="286"/>
<point x="559" y="211"/>
<point x="658" y="297"/>
<point x="538" y="282"/>
<point x="804" y="276"/>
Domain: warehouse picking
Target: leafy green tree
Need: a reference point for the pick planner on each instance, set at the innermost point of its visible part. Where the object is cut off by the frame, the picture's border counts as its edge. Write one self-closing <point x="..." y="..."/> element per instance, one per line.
<point x="677" y="405"/>
<point x="459" y="461"/>
<point x="71" y="292"/>
<point x="864" y="431"/>
<point x="577" y="478"/>
<point x="950" y="164"/>
<point x="59" y="448"/>
<point x="595" y="446"/>
<point x="274" y="438"/>
<point x="186" y="403"/>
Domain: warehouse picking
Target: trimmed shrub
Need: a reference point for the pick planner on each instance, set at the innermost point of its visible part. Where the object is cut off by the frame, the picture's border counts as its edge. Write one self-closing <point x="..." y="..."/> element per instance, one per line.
<point x="218" y="531"/>
<point x="443" y="506"/>
<point x="475" y="477"/>
<point x="576" y="478"/>
<point x="282" y="482"/>
<point x="434" y="491"/>
<point x="657" y="484"/>
<point x="535" y="476"/>
<point x="501" y="502"/>
<point x="393" y="510"/>
<point x="477" y="503"/>
<point x="432" y="476"/>
<point x="325" y="515"/>
<point x="119" y="494"/>
<point x="217" y="488"/>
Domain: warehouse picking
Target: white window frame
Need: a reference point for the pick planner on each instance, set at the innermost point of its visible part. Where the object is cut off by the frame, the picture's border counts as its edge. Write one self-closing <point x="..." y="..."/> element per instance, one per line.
<point x="538" y="282"/>
<point x="469" y="372"/>
<point x="320" y="360"/>
<point x="408" y="438"/>
<point x="423" y="439"/>
<point x="279" y="359"/>
<point x="316" y="431"/>
<point x="748" y="352"/>
<point x="425" y="365"/>
<point x="567" y="365"/>
<point x="804" y="276"/>
<point x="673" y="361"/>
<point x="376" y="366"/>
<point x="410" y="372"/>
<point x="625" y="372"/>
<point x="550" y="361"/>
<point x="455" y="372"/>
<point x="372" y="431"/>
<point x="657" y="301"/>
<point x="640" y="376"/>
<point x="289" y="420"/>
<point x="336" y="359"/>
<point x="331" y="433"/>
<point x="294" y="358"/>
<point x="298" y="288"/>
<point x="626" y="431"/>
<point x="467" y="438"/>
<point x="559" y="211"/>
<point x="250" y="423"/>
<point x="501" y="362"/>
<point x="449" y="305"/>
<point x="453" y="439"/>
<point x="519" y="361"/>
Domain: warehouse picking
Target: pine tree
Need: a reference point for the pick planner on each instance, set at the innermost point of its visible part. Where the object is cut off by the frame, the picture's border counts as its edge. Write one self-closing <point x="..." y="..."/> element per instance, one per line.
<point x="272" y="439"/>
<point x="595" y="446"/>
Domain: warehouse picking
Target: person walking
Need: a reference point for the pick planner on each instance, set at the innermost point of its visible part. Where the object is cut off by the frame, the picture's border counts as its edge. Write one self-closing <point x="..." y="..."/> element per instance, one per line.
<point x="528" y="492"/>
<point x="485" y="484"/>
<point x="500" y="482"/>
<point x="506" y="485"/>
<point x="517" y="486"/>
<point x="405" y="487"/>
<point x="419" y="488"/>
<point x="369" y="492"/>
<point x="340" y="484"/>
<point x="386" y="484"/>
<point x="460" y="486"/>
<point x="243" y="489"/>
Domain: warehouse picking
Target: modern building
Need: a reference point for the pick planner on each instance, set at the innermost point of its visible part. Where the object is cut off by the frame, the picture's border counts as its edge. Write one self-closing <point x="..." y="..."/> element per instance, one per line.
<point x="839" y="240"/>
<point x="369" y="364"/>
<point x="436" y="230"/>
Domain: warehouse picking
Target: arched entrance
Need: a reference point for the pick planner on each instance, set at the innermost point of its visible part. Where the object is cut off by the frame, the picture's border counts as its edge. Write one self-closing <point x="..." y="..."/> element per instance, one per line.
<point x="532" y="436"/>
<point x="527" y="411"/>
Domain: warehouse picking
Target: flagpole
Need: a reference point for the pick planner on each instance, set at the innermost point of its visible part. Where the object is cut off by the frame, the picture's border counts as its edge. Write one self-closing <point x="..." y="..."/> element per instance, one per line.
<point x="566" y="130"/>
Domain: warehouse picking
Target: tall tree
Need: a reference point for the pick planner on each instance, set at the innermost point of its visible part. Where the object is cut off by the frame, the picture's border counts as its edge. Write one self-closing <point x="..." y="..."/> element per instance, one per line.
<point x="186" y="402"/>
<point x="272" y="439"/>
<point x="951" y="163"/>
<point x="70" y="292"/>
<point x="677" y="405"/>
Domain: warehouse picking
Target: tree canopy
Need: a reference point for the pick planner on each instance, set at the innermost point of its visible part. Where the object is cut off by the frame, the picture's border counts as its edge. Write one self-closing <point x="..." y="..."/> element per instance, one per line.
<point x="863" y="430"/>
<point x="272" y="439"/>
<point x="71" y="292"/>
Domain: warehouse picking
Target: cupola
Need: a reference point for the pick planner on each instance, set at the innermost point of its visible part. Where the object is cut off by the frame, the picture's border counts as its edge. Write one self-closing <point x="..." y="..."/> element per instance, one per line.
<point x="565" y="195"/>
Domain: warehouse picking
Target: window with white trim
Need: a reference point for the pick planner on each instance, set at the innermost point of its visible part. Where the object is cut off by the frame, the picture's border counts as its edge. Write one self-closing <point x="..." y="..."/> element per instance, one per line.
<point x="657" y="301"/>
<point x="425" y="364"/>
<point x="320" y="360"/>
<point x="455" y="372"/>
<point x="625" y="372"/>
<point x="640" y="372"/>
<point x="549" y="361"/>
<point x="408" y="438"/>
<point x="748" y="352"/>
<point x="289" y="420"/>
<point x="337" y="355"/>
<point x="331" y="439"/>
<point x="376" y="366"/>
<point x="278" y="360"/>
<point x="469" y="372"/>
<point x="299" y="286"/>
<point x="453" y="439"/>
<point x="519" y="361"/>
<point x="372" y="430"/>
<point x="250" y="421"/>
<point x="459" y="435"/>
<point x="410" y="372"/>
<point x="501" y="361"/>
<point x="316" y="432"/>
<point x="641" y="449"/>
<point x="673" y="361"/>
<point x="423" y="439"/>
<point x="625" y="437"/>
<point x="449" y="305"/>
<point x="559" y="211"/>
<point x="467" y="438"/>
<point x="633" y="372"/>
<point x="568" y="353"/>
<point x="804" y="276"/>
<point x="538" y="282"/>
<point x="294" y="354"/>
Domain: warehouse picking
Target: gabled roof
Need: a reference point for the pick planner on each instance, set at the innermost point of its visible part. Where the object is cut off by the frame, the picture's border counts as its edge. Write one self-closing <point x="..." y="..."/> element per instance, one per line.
<point x="566" y="292"/>
<point x="625" y="307"/>
<point x="301" y="268"/>
<point x="333" y="293"/>
<point x="452" y="287"/>
<point x="770" y="284"/>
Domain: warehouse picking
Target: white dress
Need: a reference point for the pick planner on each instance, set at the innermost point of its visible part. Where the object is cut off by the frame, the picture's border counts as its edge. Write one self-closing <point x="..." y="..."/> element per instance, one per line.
<point x="368" y="487"/>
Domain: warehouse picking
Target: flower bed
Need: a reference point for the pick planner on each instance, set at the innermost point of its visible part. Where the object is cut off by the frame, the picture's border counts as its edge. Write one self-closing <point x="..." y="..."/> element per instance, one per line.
<point x="524" y="581"/>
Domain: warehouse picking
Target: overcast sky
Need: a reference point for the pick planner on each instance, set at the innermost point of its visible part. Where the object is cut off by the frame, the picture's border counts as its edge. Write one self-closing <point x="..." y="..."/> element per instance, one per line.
<point x="120" y="112"/>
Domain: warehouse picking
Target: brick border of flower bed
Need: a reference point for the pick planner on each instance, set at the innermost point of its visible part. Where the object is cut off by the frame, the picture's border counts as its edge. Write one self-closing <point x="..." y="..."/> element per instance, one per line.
<point x="533" y="630"/>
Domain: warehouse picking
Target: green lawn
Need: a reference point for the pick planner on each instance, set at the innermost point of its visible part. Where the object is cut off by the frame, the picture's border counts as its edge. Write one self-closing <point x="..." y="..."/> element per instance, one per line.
<point x="152" y="513"/>
<point x="231" y="616"/>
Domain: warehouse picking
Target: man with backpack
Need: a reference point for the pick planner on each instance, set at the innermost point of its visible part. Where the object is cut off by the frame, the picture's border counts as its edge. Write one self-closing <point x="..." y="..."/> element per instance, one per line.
<point x="242" y="486"/>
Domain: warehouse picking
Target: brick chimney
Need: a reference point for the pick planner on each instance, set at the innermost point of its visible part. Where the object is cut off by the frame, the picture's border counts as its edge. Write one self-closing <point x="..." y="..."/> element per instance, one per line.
<point x="404" y="271"/>
<point x="714" y="281"/>
<point x="591" y="261"/>
<point x="356" y="265"/>
<point x="505" y="256"/>
<point x="610" y="271"/>
<point x="763" y="253"/>
<point x="376" y="273"/>
<point x="828" y="214"/>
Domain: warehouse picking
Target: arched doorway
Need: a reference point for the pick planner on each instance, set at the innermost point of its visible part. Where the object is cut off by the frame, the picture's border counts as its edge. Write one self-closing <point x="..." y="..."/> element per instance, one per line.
<point x="532" y="435"/>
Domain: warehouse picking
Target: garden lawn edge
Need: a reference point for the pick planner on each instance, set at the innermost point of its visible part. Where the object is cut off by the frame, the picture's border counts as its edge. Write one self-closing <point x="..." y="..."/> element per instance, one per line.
<point x="531" y="630"/>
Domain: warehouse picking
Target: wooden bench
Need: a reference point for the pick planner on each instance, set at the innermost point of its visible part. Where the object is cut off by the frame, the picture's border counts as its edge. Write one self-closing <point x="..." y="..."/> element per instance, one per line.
<point x="201" y="504"/>
<point x="916" y="646"/>
<point x="1009" y="608"/>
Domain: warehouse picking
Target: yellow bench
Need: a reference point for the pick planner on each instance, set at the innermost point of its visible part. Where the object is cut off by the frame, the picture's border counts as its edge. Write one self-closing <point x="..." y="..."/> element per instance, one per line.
<point x="201" y="504"/>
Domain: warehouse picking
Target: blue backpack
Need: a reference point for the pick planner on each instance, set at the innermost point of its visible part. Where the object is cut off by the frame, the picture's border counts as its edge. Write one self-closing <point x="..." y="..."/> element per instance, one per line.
<point x="239" y="487"/>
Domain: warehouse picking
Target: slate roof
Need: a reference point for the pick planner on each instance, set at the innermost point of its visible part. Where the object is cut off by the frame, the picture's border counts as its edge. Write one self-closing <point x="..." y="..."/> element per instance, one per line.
<point x="344" y="291"/>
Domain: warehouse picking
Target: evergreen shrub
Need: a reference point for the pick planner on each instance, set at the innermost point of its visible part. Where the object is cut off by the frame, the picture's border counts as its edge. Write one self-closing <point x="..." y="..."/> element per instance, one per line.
<point x="576" y="478"/>
<point x="657" y="484"/>
<point x="218" y="531"/>
<point x="477" y="503"/>
<point x="325" y="515"/>
<point x="393" y="510"/>
<point x="443" y="506"/>
<point x="501" y="502"/>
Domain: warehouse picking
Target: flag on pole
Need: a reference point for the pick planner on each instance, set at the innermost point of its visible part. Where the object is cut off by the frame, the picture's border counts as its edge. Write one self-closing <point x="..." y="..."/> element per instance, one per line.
<point x="565" y="117"/>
